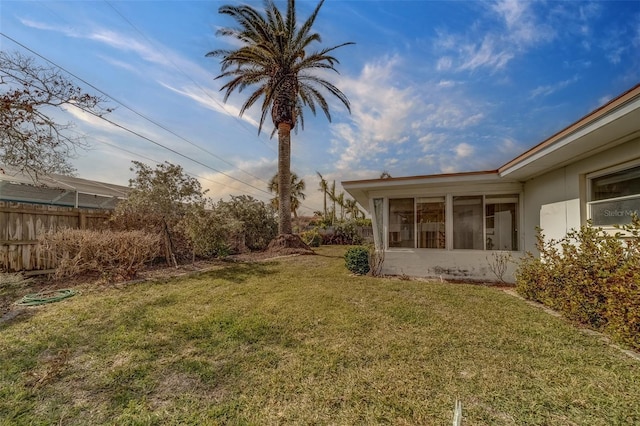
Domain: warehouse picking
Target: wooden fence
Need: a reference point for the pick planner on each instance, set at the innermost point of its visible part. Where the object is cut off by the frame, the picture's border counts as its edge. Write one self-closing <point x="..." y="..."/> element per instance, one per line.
<point x="21" y="225"/>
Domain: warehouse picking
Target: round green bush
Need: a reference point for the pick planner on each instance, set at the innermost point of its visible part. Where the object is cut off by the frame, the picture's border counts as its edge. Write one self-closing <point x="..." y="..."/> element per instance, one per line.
<point x="357" y="260"/>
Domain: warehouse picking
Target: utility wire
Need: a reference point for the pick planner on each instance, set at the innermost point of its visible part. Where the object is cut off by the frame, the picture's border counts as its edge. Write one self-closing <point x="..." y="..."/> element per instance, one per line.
<point x="150" y="120"/>
<point x="204" y="91"/>
<point x="133" y="132"/>
<point x="158" y="162"/>
<point x="125" y="128"/>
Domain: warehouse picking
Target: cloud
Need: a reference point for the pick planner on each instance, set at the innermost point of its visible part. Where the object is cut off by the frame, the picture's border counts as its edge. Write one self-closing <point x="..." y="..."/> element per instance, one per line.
<point x="68" y="31"/>
<point x="552" y="88"/>
<point x="447" y="83"/>
<point x="523" y="26"/>
<point x="464" y="150"/>
<point x="487" y="54"/>
<point x="445" y="63"/>
<point x="126" y="43"/>
<point x="236" y="182"/>
<point x="379" y="113"/>
<point x="108" y="37"/>
<point x="90" y="119"/>
<point x="210" y="100"/>
<point x="509" y="29"/>
<point x="396" y="118"/>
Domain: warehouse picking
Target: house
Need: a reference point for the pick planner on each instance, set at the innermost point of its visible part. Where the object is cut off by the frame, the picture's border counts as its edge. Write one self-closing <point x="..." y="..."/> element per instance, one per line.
<point x="461" y="225"/>
<point x="59" y="190"/>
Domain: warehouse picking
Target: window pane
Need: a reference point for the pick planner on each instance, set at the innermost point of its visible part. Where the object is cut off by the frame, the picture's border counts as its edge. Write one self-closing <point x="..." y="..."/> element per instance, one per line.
<point x="615" y="212"/>
<point x="619" y="184"/>
<point x="467" y="223"/>
<point x="401" y="223"/>
<point x="431" y="230"/>
<point x="501" y="222"/>
<point x="615" y="197"/>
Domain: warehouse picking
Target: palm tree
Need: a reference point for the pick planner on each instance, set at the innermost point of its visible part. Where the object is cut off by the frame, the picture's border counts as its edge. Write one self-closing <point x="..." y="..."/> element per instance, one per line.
<point x="324" y="187"/>
<point x="297" y="186"/>
<point x="340" y="201"/>
<point x="352" y="208"/>
<point x="332" y="195"/>
<point x="275" y="58"/>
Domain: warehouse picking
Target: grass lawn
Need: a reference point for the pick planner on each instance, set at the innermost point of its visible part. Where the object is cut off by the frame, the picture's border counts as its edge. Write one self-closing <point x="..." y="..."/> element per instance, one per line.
<point x="299" y="341"/>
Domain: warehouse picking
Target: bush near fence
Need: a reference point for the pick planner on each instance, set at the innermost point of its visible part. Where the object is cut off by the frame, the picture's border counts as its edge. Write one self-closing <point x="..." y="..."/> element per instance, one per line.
<point x="591" y="276"/>
<point x="21" y="224"/>
<point x="345" y="233"/>
<point x="115" y="255"/>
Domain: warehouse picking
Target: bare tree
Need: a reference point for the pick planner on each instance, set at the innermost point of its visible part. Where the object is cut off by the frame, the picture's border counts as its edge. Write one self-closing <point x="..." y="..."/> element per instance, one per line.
<point x="30" y="139"/>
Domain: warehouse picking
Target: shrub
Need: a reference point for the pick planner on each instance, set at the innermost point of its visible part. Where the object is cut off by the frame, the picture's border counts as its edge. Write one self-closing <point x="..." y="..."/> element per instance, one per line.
<point x="257" y="220"/>
<point x="357" y="260"/>
<point x="159" y="199"/>
<point x="116" y="255"/>
<point x="345" y="233"/>
<point x="591" y="276"/>
<point x="312" y="238"/>
<point x="212" y="233"/>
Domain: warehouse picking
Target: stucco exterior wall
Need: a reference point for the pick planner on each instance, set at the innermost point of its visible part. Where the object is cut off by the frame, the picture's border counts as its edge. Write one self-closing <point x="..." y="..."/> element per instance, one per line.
<point x="467" y="265"/>
<point x="569" y="183"/>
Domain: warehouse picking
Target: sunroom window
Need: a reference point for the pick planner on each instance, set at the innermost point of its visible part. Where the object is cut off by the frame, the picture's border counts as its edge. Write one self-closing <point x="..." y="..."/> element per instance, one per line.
<point x="479" y="222"/>
<point x="501" y="212"/>
<point x="467" y="223"/>
<point x="401" y="222"/>
<point x="615" y="197"/>
<point x="430" y="213"/>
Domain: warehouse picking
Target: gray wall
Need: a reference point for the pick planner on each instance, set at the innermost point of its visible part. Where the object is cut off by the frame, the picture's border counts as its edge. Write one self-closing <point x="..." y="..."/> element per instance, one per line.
<point x="569" y="183"/>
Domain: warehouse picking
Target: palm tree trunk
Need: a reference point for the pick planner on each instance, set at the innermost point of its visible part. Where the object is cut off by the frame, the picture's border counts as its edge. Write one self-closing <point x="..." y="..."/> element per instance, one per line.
<point x="284" y="179"/>
<point x="333" y="197"/>
<point x="325" y="205"/>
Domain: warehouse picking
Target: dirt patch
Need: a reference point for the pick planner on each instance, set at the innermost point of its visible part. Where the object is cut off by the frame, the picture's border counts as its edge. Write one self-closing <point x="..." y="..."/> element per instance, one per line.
<point x="287" y="244"/>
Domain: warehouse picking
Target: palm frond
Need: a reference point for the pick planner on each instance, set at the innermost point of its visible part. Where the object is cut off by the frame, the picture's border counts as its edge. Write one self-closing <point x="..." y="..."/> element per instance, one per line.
<point x="276" y="58"/>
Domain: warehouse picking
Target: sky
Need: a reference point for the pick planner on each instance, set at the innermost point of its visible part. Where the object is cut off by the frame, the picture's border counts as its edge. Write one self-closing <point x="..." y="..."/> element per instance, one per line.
<point x="434" y="86"/>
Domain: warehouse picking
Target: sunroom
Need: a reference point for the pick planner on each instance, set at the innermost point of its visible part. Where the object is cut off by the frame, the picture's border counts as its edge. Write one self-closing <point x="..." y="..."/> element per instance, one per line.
<point x="454" y="226"/>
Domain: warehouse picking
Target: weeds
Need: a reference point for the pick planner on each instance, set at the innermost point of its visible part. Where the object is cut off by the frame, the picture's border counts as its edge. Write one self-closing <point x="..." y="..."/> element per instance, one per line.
<point x="13" y="280"/>
<point x="498" y="264"/>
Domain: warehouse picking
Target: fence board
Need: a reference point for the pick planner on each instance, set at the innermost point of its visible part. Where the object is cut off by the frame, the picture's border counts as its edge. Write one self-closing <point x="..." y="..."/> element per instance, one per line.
<point x="21" y="224"/>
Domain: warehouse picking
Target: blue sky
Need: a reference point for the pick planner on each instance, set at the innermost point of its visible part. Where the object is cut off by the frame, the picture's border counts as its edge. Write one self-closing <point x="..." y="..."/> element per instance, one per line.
<point x="435" y="86"/>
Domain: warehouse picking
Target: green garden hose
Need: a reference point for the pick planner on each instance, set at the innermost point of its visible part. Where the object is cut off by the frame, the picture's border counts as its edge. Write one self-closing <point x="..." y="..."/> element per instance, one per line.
<point x="45" y="297"/>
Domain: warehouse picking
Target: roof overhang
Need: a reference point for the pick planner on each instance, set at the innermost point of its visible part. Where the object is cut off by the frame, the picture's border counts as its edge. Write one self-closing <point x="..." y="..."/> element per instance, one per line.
<point x="57" y="181"/>
<point x="614" y="123"/>
<point x="360" y="189"/>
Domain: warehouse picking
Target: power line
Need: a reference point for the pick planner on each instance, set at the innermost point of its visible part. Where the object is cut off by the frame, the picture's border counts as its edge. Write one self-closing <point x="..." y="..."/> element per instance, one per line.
<point x="153" y="122"/>
<point x="136" y="154"/>
<point x="176" y="66"/>
<point x="133" y="132"/>
<point x="135" y="112"/>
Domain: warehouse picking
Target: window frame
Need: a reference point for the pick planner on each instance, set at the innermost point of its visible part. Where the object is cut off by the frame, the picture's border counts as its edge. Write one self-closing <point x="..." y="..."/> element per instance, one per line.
<point x="448" y="217"/>
<point x="590" y="177"/>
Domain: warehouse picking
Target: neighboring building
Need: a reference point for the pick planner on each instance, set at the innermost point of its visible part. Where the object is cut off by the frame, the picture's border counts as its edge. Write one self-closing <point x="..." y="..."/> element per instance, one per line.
<point x="28" y="210"/>
<point x="59" y="190"/>
<point x="453" y="225"/>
